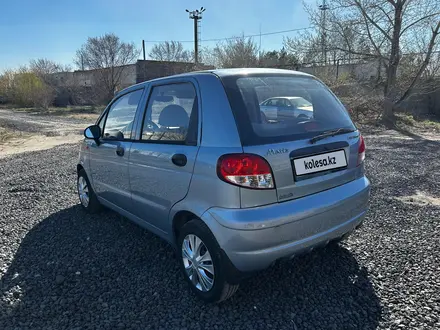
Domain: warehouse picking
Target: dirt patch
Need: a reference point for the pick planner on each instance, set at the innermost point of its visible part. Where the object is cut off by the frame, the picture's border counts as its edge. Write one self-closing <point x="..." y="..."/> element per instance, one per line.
<point x="35" y="143"/>
<point x="420" y="199"/>
<point x="395" y="135"/>
<point x="27" y="131"/>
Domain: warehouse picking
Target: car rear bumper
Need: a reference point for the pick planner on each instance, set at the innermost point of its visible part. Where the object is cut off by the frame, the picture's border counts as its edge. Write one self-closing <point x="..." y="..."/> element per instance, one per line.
<point x="253" y="238"/>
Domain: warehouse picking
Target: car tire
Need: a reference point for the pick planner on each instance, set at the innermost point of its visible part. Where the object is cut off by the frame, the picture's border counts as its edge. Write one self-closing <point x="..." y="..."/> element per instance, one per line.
<point x="86" y="194"/>
<point x="220" y="289"/>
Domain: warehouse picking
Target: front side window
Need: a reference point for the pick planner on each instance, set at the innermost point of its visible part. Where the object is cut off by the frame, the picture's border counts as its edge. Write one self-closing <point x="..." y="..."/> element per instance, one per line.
<point x="101" y="122"/>
<point x="287" y="103"/>
<point x="273" y="102"/>
<point x="311" y="108"/>
<point x="120" y="118"/>
<point x="169" y="111"/>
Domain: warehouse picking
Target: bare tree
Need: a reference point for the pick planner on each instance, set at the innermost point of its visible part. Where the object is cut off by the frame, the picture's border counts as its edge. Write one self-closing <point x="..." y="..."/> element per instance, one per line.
<point x="383" y="31"/>
<point x="44" y="67"/>
<point x="107" y="55"/>
<point x="170" y="51"/>
<point x="238" y="52"/>
<point x="308" y="45"/>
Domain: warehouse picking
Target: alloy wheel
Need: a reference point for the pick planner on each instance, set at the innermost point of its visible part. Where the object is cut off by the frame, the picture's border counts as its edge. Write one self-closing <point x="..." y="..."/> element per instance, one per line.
<point x="83" y="191"/>
<point x="198" y="263"/>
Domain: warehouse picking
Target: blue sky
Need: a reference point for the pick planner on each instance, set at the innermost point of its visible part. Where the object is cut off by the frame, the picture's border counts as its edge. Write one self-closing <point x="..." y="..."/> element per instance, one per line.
<point x="55" y="29"/>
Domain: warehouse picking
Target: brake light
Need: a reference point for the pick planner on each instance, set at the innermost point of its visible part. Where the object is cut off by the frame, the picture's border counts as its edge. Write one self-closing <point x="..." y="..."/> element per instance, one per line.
<point x="361" y="150"/>
<point x="245" y="170"/>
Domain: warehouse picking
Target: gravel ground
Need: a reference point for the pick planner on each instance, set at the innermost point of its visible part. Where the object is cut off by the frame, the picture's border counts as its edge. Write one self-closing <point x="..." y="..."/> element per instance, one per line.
<point x="61" y="268"/>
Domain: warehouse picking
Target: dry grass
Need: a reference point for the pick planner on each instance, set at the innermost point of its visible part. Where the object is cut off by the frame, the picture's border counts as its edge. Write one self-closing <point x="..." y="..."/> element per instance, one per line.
<point x="428" y="123"/>
<point x="77" y="112"/>
<point x="422" y="123"/>
<point x="88" y="116"/>
<point x="7" y="134"/>
<point x="70" y="111"/>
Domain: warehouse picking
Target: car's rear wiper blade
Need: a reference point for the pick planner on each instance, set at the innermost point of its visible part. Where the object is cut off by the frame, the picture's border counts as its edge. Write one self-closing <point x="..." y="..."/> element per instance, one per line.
<point x="331" y="133"/>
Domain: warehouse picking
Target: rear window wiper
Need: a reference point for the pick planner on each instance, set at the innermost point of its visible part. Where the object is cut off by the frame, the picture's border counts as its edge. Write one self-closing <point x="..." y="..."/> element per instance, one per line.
<point x="330" y="133"/>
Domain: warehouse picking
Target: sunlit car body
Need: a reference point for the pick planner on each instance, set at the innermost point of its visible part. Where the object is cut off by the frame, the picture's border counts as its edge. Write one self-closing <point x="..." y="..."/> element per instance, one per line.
<point x="193" y="159"/>
<point x="285" y="107"/>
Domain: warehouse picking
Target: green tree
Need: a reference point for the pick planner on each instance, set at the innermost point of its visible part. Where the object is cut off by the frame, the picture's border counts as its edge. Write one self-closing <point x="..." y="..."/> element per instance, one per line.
<point x="30" y="90"/>
<point x="279" y="59"/>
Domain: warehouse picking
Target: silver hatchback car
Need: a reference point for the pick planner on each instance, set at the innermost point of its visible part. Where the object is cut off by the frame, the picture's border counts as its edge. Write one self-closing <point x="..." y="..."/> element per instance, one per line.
<point x="194" y="159"/>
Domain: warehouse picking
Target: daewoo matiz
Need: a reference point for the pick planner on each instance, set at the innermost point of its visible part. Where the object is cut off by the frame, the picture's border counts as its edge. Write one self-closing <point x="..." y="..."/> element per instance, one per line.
<point x="194" y="159"/>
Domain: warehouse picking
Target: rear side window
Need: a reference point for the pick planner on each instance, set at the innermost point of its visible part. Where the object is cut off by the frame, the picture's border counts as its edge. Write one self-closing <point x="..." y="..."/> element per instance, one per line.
<point x="280" y="108"/>
<point x="171" y="114"/>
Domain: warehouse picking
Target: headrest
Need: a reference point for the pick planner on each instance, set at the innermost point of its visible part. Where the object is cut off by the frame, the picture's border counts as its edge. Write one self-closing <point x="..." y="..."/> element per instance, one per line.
<point x="173" y="115"/>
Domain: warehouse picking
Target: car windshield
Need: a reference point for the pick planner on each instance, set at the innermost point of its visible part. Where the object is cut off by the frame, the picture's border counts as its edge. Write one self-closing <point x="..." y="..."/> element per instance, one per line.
<point x="280" y="108"/>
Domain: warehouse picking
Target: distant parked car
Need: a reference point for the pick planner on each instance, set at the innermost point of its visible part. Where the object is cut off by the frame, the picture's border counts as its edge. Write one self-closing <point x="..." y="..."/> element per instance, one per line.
<point x="193" y="159"/>
<point x="287" y="107"/>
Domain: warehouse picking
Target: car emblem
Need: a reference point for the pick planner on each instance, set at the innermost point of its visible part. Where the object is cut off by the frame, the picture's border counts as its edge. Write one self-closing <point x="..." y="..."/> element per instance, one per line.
<point x="272" y="152"/>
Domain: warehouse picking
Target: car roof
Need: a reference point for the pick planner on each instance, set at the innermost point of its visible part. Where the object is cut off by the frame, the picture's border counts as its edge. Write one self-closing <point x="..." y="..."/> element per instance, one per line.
<point x="220" y="73"/>
<point x="246" y="71"/>
<point x="285" y="97"/>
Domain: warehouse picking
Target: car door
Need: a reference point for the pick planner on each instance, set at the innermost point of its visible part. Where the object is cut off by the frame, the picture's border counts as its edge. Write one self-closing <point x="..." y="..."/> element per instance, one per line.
<point x="162" y="160"/>
<point x="109" y="158"/>
<point x="285" y="109"/>
<point x="269" y="109"/>
<point x="303" y="108"/>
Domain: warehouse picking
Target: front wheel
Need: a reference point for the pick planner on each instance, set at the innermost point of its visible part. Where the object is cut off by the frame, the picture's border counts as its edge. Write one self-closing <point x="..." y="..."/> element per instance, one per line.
<point x="86" y="195"/>
<point x="201" y="263"/>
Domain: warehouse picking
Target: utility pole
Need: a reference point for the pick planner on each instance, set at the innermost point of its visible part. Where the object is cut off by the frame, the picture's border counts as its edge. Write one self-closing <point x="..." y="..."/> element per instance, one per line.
<point x="82" y="61"/>
<point x="143" y="48"/>
<point x="196" y="16"/>
<point x="324" y="7"/>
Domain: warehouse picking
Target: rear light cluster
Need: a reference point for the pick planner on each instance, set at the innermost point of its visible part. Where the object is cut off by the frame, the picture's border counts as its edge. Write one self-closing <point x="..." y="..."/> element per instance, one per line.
<point x="245" y="170"/>
<point x="361" y="150"/>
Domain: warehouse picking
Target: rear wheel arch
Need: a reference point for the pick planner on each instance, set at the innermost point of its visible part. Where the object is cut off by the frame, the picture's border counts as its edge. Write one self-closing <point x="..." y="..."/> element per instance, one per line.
<point x="179" y="220"/>
<point x="222" y="279"/>
<point x="79" y="167"/>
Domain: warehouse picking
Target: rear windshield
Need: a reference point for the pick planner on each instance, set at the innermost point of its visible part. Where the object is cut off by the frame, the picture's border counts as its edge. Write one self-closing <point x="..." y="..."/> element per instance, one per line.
<point x="280" y="108"/>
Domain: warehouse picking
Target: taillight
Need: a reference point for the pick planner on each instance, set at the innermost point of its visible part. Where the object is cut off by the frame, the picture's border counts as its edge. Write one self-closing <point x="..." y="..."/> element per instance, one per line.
<point x="245" y="170"/>
<point x="361" y="150"/>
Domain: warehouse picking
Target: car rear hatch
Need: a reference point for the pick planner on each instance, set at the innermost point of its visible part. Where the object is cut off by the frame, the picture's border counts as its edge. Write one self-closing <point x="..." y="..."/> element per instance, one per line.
<point x="301" y="169"/>
<point x="306" y="155"/>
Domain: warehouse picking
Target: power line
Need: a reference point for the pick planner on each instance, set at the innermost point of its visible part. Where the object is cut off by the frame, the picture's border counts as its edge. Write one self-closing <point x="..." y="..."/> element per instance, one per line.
<point x="231" y="38"/>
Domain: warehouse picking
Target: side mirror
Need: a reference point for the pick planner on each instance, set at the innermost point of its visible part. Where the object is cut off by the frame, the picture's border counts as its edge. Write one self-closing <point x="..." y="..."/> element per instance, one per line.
<point x="93" y="132"/>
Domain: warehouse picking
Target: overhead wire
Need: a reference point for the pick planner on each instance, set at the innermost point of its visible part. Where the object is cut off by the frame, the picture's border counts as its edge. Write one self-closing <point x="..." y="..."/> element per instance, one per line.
<point x="237" y="37"/>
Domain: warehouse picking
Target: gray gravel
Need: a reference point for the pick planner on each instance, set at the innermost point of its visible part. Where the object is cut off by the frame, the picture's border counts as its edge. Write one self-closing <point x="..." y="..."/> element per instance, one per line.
<point x="61" y="268"/>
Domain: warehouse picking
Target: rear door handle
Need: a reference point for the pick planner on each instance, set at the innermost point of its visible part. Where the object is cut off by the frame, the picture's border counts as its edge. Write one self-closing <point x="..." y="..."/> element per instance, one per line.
<point x="120" y="151"/>
<point x="179" y="159"/>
